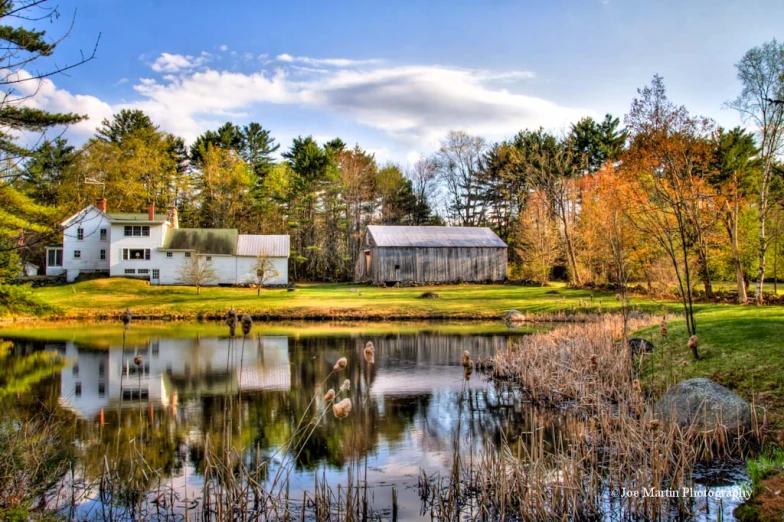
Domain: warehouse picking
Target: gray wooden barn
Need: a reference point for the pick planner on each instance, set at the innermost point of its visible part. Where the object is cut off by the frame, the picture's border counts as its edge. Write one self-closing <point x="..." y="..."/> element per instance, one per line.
<point x="431" y="255"/>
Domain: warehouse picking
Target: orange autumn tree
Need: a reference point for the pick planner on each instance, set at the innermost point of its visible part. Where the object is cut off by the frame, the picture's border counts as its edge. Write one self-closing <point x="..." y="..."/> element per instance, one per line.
<point x="612" y="246"/>
<point x="670" y="200"/>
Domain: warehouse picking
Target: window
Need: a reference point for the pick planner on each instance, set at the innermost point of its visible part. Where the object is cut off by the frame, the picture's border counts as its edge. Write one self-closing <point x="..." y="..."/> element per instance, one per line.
<point x="169" y="254"/>
<point x="103" y="255"/>
<point x="187" y="254"/>
<point x="101" y="369"/>
<point x="103" y="234"/>
<point x="209" y="258"/>
<point x="80" y="234"/>
<point x="130" y="271"/>
<point x="77" y="254"/>
<point x="75" y="370"/>
<point x="143" y="271"/>
<point x="397" y="267"/>
<point x="54" y="257"/>
<point x="156" y="274"/>
<point x="137" y="231"/>
<point x="101" y="389"/>
<point x="78" y="389"/>
<point x="136" y="254"/>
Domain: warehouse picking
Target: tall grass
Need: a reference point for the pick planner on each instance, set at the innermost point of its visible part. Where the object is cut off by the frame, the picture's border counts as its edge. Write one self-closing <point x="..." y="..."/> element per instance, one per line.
<point x="610" y="443"/>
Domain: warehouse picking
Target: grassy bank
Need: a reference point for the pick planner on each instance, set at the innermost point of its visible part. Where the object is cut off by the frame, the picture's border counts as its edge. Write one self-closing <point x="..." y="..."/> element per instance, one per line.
<point x="102" y="334"/>
<point x="741" y="348"/>
<point x="101" y="298"/>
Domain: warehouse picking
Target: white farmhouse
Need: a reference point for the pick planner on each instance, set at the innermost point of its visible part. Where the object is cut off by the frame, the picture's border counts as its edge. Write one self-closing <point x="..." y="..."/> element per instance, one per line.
<point x="152" y="246"/>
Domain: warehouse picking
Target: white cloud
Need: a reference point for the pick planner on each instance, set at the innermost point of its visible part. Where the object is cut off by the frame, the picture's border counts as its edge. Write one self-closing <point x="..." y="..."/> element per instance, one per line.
<point x="224" y="48"/>
<point x="172" y="63"/>
<point x="332" y="62"/>
<point x="44" y="95"/>
<point x="414" y="106"/>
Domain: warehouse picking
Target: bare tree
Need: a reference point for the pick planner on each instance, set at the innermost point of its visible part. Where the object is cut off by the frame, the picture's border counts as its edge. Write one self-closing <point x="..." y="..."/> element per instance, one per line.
<point x="424" y="180"/>
<point x="197" y="271"/>
<point x="264" y="271"/>
<point x="459" y="165"/>
<point x="761" y="70"/>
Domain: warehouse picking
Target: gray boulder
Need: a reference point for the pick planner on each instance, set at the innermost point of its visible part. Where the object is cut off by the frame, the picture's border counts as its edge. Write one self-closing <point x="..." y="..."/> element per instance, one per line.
<point x="640" y="345"/>
<point x="513" y="316"/>
<point x="704" y="405"/>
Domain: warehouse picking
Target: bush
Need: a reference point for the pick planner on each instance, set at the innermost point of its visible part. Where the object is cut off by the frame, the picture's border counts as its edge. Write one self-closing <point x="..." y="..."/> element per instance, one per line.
<point x="21" y="300"/>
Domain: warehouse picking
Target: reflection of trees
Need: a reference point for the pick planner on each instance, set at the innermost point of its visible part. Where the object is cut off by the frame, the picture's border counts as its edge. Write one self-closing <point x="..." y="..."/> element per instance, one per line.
<point x="131" y="453"/>
<point x="20" y="371"/>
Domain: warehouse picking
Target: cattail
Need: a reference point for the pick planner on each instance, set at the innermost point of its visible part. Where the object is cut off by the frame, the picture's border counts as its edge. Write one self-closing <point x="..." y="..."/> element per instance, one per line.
<point x="466" y="359"/>
<point x="594" y="363"/>
<point x="345" y="386"/>
<point x="467" y="372"/>
<point x="693" y="342"/>
<point x="247" y="324"/>
<point x="126" y="317"/>
<point x="329" y="395"/>
<point x="138" y="360"/>
<point x="231" y="322"/>
<point x="663" y="329"/>
<point x="342" y="409"/>
<point x="636" y="385"/>
<point x="370" y="358"/>
<point x="340" y="365"/>
<point x="369" y="348"/>
<point x="654" y="424"/>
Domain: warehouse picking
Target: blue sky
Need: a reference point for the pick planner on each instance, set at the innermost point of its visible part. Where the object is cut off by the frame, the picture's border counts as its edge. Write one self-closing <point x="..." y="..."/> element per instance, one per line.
<point x="396" y="76"/>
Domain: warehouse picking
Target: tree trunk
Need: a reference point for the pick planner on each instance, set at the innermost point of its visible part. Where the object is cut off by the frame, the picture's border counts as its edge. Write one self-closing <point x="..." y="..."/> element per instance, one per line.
<point x="198" y="289"/>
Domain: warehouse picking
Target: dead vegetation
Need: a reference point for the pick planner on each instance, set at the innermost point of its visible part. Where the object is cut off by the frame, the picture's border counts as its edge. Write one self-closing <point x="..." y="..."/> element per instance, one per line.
<point x="609" y="442"/>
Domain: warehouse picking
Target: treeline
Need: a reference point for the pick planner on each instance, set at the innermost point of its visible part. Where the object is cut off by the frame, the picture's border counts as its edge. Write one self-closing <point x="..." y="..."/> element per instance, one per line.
<point x="667" y="198"/>
<point x="322" y="195"/>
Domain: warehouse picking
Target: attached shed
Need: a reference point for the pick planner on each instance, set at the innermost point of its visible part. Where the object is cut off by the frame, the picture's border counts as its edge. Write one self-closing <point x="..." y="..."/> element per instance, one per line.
<point x="431" y="255"/>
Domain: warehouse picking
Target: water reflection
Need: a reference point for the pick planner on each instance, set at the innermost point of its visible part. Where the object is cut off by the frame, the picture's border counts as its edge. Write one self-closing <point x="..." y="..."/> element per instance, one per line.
<point x="168" y="402"/>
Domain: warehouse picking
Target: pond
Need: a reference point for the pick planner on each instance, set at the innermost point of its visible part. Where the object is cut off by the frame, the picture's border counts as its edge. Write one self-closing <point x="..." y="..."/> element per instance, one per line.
<point x="158" y="411"/>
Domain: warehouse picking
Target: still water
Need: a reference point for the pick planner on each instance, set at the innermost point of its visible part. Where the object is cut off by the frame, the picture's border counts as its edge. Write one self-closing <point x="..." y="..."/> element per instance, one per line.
<point x="149" y="406"/>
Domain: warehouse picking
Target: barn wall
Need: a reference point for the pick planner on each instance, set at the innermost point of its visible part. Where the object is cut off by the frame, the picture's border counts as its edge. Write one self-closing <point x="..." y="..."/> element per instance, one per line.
<point x="438" y="265"/>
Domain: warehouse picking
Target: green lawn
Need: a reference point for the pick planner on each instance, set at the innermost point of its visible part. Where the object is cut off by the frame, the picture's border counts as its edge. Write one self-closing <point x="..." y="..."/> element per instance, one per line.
<point x="108" y="297"/>
<point x="741" y="347"/>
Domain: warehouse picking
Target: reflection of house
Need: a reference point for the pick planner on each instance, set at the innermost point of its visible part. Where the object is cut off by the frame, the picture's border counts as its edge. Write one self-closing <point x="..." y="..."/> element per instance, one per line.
<point x="431" y="255"/>
<point x="152" y="246"/>
<point x="185" y="367"/>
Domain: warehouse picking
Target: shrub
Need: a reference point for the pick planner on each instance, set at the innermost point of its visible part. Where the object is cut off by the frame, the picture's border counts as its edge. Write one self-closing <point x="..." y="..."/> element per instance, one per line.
<point x="21" y="300"/>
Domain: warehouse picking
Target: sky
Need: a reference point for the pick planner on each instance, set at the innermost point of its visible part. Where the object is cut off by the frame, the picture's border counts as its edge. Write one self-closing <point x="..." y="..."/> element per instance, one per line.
<point x="396" y="76"/>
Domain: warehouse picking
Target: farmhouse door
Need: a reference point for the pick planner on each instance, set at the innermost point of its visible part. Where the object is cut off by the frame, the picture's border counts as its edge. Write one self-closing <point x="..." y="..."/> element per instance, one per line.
<point x="155" y="279"/>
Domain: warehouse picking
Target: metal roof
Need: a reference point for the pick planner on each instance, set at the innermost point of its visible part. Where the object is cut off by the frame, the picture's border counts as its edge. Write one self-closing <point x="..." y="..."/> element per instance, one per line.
<point x="397" y="236"/>
<point x="128" y="216"/>
<point x="254" y="245"/>
<point x="219" y="241"/>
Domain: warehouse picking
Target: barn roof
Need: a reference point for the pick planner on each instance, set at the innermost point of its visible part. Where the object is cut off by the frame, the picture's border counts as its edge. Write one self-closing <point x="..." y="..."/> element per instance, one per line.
<point x="398" y="236"/>
<point x="272" y="246"/>
<point x="219" y="241"/>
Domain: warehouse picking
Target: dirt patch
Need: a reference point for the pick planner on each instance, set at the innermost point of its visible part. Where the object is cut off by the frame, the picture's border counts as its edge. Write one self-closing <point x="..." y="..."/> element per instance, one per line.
<point x="767" y="505"/>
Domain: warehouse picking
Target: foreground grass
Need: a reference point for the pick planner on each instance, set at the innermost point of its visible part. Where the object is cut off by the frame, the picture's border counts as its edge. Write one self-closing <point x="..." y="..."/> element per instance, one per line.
<point x="101" y="298"/>
<point x="741" y="347"/>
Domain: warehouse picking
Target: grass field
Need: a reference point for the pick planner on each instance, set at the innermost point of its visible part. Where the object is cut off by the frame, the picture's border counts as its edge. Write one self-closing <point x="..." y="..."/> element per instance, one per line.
<point x="741" y="347"/>
<point x="101" y="298"/>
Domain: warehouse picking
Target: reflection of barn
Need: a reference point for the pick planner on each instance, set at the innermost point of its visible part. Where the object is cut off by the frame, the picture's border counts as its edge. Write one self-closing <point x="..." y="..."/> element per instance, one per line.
<point x="431" y="255"/>
<point x="426" y="363"/>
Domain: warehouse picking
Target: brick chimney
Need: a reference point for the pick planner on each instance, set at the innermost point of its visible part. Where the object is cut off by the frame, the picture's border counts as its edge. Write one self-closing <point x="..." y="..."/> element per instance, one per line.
<point x="171" y="217"/>
<point x="101" y="204"/>
<point x="151" y="212"/>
